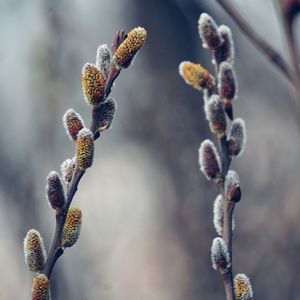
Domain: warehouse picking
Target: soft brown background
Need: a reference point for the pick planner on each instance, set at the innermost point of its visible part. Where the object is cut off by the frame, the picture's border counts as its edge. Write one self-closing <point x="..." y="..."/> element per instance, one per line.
<point x="147" y="227"/>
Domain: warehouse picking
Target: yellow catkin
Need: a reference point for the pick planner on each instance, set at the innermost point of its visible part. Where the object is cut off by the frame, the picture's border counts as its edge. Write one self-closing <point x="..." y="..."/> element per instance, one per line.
<point x="129" y="47"/>
<point x="34" y="251"/>
<point x="40" y="287"/>
<point x="195" y="75"/>
<point x="93" y="84"/>
<point x="72" y="227"/>
<point x="84" y="149"/>
<point x="242" y="287"/>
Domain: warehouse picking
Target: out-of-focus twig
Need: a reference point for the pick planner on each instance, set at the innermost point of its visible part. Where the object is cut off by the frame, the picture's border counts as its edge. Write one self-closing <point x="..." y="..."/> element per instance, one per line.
<point x="258" y="41"/>
<point x="288" y="14"/>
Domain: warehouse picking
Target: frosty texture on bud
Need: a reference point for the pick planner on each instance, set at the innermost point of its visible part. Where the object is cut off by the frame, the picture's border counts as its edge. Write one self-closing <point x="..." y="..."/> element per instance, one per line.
<point x="216" y="115"/>
<point x="232" y="186"/>
<point x="227" y="81"/>
<point x="67" y="169"/>
<point x="93" y="84"/>
<point x="218" y="215"/>
<point x="34" y="251"/>
<point x="209" y="160"/>
<point x="208" y="31"/>
<point x="84" y="149"/>
<point x="107" y="115"/>
<point x="40" y="287"/>
<point x="129" y="47"/>
<point x="103" y="59"/>
<point x="72" y="227"/>
<point x="219" y="255"/>
<point x="55" y="191"/>
<point x="237" y="137"/>
<point x="73" y="123"/>
<point x="195" y="75"/>
<point x="242" y="287"/>
<point x="226" y="50"/>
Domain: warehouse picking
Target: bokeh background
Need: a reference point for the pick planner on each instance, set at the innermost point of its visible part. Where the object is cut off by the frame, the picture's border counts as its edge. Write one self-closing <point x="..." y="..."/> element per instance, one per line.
<point x="147" y="227"/>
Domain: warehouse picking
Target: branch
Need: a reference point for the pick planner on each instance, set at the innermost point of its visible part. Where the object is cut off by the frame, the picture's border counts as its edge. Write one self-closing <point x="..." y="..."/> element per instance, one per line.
<point x="259" y="42"/>
<point x="287" y="20"/>
<point x="56" y="251"/>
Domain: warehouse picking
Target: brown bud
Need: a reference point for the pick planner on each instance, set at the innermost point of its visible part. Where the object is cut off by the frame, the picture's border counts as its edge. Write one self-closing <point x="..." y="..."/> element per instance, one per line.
<point x="208" y="31"/>
<point x="232" y="186"/>
<point x="216" y="116"/>
<point x="237" y="137"/>
<point x="227" y="81"/>
<point x="73" y="123"/>
<point x="55" y="191"/>
<point x="209" y="160"/>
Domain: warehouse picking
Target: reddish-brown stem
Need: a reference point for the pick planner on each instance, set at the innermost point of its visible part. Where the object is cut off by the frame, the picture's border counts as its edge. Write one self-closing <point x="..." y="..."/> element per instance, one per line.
<point x="228" y="206"/>
<point x="56" y="250"/>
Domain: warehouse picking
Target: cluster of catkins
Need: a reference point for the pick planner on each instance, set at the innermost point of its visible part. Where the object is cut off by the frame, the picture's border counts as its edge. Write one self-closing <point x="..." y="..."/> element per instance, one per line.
<point x="218" y="96"/>
<point x="97" y="80"/>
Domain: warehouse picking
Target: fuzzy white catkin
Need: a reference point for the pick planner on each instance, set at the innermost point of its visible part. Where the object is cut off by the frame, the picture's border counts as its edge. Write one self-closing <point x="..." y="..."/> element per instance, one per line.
<point x="208" y="31"/>
<point x="209" y="160"/>
<point x="103" y="59"/>
<point x="226" y="50"/>
<point x="232" y="179"/>
<point x="227" y="82"/>
<point x="237" y="137"/>
<point x="219" y="254"/>
<point x="216" y="115"/>
<point x="218" y="215"/>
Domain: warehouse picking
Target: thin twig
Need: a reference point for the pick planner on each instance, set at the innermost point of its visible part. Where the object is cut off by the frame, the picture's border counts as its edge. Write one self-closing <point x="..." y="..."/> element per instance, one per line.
<point x="228" y="206"/>
<point x="291" y="43"/>
<point x="56" y="250"/>
<point x="259" y="42"/>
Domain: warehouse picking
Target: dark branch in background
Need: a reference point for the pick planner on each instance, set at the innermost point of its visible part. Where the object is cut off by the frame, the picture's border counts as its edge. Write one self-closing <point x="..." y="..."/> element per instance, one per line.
<point x="288" y="12"/>
<point x="258" y="41"/>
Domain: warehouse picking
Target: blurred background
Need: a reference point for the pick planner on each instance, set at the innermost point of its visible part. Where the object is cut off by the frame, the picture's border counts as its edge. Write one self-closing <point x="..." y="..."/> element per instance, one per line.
<point x="147" y="210"/>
